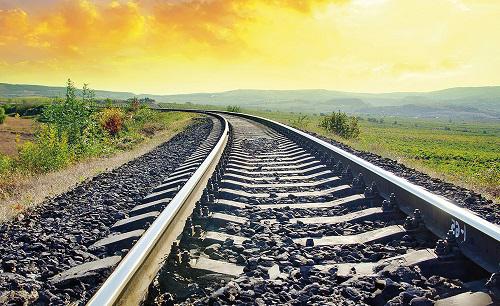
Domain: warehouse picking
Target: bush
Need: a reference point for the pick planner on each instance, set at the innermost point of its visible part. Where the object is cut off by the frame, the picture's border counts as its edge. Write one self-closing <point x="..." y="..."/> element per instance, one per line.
<point x="134" y="105"/>
<point x="233" y="108"/>
<point x="2" y="115"/>
<point x="341" y="124"/>
<point x="27" y="109"/>
<point x="49" y="152"/>
<point x="144" y="115"/>
<point x="71" y="116"/>
<point x="112" y="120"/>
<point x="299" y="122"/>
<point x="93" y="140"/>
<point x="5" y="164"/>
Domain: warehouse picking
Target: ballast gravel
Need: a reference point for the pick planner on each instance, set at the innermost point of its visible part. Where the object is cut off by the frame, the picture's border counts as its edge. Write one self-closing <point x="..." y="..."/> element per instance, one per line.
<point x="56" y="236"/>
<point x="278" y="271"/>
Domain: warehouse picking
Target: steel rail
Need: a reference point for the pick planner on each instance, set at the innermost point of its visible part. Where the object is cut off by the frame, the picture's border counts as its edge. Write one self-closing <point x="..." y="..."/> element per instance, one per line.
<point x="131" y="278"/>
<point x="477" y="238"/>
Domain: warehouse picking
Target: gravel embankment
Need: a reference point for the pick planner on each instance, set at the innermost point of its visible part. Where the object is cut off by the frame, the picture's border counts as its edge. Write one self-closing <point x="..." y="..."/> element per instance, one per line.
<point x="278" y="269"/>
<point x="463" y="197"/>
<point x="56" y="235"/>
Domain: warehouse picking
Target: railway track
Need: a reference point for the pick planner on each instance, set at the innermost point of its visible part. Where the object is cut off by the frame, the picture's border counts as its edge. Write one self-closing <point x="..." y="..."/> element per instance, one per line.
<point x="265" y="214"/>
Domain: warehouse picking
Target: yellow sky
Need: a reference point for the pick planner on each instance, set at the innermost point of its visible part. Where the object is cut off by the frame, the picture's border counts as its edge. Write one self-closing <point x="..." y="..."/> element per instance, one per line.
<point x="154" y="46"/>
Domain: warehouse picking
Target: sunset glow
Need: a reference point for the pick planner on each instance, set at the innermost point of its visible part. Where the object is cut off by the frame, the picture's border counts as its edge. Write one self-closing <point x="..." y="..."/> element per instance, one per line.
<point x="212" y="45"/>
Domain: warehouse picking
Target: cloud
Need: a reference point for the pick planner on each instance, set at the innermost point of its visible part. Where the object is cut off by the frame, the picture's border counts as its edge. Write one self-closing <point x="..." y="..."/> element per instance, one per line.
<point x="13" y="24"/>
<point x="217" y="44"/>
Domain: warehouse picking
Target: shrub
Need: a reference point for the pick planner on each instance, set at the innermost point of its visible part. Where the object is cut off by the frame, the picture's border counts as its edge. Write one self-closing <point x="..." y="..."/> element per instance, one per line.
<point x="108" y="102"/>
<point x="2" y="115"/>
<point x="134" y="105"/>
<point x="72" y="115"/>
<point x="233" y="108"/>
<point x="5" y="164"/>
<point x="112" y="120"/>
<point x="28" y="109"/>
<point x="299" y="122"/>
<point x="144" y="115"/>
<point x="341" y="124"/>
<point x="49" y="151"/>
<point x="92" y="142"/>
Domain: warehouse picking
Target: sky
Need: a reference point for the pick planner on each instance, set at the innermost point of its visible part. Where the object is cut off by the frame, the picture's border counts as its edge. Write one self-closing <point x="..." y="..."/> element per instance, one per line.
<point x="181" y="46"/>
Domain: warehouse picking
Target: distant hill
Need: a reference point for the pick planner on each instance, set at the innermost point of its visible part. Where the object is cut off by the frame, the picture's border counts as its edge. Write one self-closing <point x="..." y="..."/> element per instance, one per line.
<point x="16" y="90"/>
<point x="459" y="102"/>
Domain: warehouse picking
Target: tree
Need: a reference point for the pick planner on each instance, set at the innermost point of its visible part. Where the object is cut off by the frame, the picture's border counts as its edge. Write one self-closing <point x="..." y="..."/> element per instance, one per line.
<point x="71" y="116"/>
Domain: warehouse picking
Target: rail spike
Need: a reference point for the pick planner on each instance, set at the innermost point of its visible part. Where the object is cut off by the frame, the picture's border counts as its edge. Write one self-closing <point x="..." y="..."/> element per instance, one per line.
<point x="416" y="222"/>
<point x="442" y="248"/>
<point x="371" y="192"/>
<point x="174" y="255"/>
<point x="391" y="204"/>
<point x="448" y="247"/>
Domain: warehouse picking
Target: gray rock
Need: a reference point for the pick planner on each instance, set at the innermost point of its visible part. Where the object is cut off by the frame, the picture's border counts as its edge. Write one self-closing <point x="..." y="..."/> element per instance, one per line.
<point x="421" y="301"/>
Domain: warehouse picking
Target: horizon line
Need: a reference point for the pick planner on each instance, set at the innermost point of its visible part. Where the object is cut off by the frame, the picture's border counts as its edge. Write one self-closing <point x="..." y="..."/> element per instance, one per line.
<point x="256" y="89"/>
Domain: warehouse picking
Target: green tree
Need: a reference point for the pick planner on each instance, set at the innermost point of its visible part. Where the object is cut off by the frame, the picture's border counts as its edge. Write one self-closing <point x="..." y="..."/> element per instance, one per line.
<point x="108" y="102"/>
<point x="72" y="115"/>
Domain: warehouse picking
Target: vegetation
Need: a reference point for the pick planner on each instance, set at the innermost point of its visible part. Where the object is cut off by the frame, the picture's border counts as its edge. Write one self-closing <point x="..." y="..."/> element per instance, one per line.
<point x="466" y="153"/>
<point x="74" y="128"/>
<point x="71" y="116"/>
<point x="111" y="120"/>
<point x="340" y="124"/>
<point x="233" y="108"/>
<point x="300" y="122"/>
<point x="49" y="152"/>
<point x="2" y="115"/>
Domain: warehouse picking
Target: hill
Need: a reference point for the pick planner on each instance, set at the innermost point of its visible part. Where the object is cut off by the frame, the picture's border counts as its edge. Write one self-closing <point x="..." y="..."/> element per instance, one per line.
<point x="18" y="90"/>
<point x="460" y="102"/>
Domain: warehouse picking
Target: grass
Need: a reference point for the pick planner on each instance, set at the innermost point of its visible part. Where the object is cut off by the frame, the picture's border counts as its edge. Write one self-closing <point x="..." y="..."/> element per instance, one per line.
<point x="466" y="153"/>
<point x="21" y="189"/>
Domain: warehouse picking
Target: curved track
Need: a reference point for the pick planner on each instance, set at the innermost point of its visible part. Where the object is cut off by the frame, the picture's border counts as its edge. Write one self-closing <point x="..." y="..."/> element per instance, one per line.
<point x="288" y="219"/>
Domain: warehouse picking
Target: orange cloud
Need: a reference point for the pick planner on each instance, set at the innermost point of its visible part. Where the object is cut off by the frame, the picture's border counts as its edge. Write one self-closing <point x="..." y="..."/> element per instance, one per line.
<point x="13" y="24"/>
<point x="77" y="27"/>
<point x="341" y="44"/>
